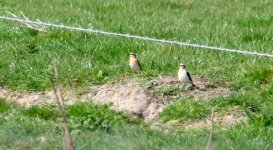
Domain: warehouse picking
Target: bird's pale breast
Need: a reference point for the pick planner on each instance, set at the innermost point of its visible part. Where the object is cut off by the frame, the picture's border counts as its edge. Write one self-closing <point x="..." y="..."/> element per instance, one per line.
<point x="134" y="64"/>
<point x="182" y="76"/>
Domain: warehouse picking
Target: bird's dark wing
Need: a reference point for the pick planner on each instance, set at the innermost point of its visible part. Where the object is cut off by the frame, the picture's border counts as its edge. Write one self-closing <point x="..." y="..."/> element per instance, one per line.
<point x="139" y="64"/>
<point x="189" y="75"/>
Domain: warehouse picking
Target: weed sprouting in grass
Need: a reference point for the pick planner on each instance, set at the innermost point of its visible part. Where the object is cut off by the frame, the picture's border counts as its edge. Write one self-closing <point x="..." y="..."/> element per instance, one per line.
<point x="91" y="117"/>
<point x="45" y="112"/>
<point x="4" y="106"/>
<point x="262" y="75"/>
<point x="167" y="91"/>
<point x="83" y="116"/>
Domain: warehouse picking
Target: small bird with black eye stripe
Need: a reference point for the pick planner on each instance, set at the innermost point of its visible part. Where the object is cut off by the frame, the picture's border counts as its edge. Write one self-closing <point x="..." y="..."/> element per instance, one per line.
<point x="134" y="63"/>
<point x="184" y="75"/>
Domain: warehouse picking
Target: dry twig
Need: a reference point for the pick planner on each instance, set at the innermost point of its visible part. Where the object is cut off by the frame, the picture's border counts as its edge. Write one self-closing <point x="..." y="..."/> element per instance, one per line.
<point x="68" y="139"/>
<point x="211" y="131"/>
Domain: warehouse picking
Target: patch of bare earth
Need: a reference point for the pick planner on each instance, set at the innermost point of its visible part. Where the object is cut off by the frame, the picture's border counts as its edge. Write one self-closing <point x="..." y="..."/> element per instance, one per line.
<point x="204" y="90"/>
<point x="28" y="99"/>
<point x="233" y="115"/>
<point x="131" y="97"/>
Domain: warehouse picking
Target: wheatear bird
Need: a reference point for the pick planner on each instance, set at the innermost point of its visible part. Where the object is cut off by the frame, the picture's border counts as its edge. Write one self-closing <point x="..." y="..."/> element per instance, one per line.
<point x="134" y="63"/>
<point x="184" y="76"/>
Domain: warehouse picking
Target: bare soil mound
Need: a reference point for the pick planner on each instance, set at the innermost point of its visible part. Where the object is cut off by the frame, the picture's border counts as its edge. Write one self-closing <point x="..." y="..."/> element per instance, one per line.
<point x="133" y="97"/>
<point x="142" y="99"/>
<point x="129" y="97"/>
<point x="204" y="89"/>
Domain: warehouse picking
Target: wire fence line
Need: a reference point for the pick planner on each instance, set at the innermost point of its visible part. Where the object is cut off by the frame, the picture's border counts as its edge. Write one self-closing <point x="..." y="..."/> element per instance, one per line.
<point x="137" y="37"/>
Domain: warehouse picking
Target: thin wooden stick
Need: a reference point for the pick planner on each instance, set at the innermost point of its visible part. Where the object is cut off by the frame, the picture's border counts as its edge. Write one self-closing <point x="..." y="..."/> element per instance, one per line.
<point x="55" y="91"/>
<point x="68" y="139"/>
<point x="211" y="131"/>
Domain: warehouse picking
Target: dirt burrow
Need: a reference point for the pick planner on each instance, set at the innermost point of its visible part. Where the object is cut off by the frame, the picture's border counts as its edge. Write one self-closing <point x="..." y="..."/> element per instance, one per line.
<point x="129" y="96"/>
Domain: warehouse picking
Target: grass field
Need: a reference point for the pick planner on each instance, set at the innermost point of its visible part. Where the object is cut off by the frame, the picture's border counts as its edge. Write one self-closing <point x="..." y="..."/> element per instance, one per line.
<point x="26" y="59"/>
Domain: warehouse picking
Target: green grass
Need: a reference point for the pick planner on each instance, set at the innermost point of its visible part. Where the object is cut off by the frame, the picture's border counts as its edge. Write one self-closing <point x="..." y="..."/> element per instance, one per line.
<point x="85" y="58"/>
<point x="257" y="105"/>
<point x="4" y="107"/>
<point x="86" y="116"/>
<point x="186" y="110"/>
<point x="91" y="58"/>
<point x="19" y="128"/>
